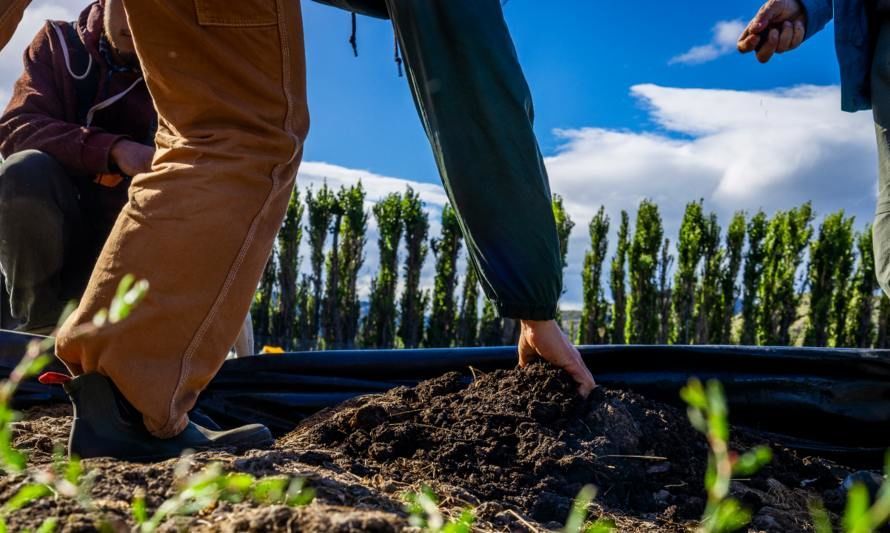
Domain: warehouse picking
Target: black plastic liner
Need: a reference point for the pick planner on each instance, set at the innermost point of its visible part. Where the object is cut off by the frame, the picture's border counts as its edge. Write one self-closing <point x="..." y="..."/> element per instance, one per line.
<point x="829" y="401"/>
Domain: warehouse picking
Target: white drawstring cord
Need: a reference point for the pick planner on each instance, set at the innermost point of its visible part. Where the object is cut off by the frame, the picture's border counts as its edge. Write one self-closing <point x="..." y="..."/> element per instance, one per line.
<point x="105" y="103"/>
<point x="64" y="44"/>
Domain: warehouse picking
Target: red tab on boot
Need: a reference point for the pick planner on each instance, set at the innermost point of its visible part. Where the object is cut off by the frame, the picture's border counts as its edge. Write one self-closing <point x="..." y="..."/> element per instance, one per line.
<point x="53" y="378"/>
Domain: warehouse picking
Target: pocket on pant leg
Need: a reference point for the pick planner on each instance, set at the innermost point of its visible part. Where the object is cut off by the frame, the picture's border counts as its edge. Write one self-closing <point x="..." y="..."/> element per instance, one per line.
<point x="238" y="13"/>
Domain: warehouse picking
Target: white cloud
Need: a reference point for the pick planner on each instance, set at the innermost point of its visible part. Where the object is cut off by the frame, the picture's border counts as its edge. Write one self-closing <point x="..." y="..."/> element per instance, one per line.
<point x="738" y="150"/>
<point x="725" y="34"/>
<point x="35" y="16"/>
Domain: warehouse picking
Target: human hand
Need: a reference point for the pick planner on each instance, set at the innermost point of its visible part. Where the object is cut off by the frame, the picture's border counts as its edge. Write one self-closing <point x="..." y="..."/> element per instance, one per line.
<point x="785" y="24"/>
<point x="131" y="157"/>
<point x="544" y="339"/>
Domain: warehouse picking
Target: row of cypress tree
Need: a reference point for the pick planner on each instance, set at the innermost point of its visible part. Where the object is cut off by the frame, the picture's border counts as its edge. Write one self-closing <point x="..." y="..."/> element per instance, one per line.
<point x="748" y="284"/>
<point x="764" y="281"/>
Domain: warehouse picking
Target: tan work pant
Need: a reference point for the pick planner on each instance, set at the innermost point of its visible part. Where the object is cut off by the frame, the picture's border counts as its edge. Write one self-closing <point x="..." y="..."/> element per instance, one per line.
<point x="10" y="16"/>
<point x="228" y="81"/>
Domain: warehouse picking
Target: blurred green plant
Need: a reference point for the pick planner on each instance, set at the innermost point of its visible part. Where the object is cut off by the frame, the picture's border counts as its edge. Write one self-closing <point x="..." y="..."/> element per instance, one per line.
<point x="211" y="485"/>
<point x="861" y="515"/>
<point x="424" y="513"/>
<point x="577" y="521"/>
<point x="709" y="414"/>
<point x="65" y="477"/>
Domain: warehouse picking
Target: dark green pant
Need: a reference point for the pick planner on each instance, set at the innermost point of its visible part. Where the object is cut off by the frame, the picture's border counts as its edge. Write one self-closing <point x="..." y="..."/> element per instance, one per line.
<point x="477" y="110"/>
<point x="880" y="88"/>
<point x="48" y="245"/>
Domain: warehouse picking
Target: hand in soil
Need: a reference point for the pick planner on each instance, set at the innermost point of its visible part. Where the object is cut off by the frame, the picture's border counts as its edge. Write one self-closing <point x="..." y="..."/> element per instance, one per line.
<point x="545" y="340"/>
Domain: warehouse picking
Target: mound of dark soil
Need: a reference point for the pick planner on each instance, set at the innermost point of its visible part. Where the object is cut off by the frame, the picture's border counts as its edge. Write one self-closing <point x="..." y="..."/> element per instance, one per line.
<point x="526" y="441"/>
<point x="518" y="445"/>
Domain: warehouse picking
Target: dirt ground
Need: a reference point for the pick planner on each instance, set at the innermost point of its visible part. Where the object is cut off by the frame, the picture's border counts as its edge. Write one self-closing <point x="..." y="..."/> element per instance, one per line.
<point x="516" y="445"/>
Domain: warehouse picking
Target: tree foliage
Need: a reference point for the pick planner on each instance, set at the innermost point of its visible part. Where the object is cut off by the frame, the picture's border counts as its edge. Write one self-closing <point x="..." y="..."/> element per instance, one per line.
<point x="263" y="302"/>
<point x="564" y="226"/>
<point x="752" y="278"/>
<point x="735" y="243"/>
<point x="860" y="328"/>
<point x="468" y="317"/>
<point x="787" y="237"/>
<point x="593" y="327"/>
<point x="665" y="292"/>
<point x="617" y="282"/>
<point x="289" y="239"/>
<point x="413" y="302"/>
<point x="490" y="326"/>
<point x="689" y="254"/>
<point x="380" y="324"/>
<point x="441" y="331"/>
<point x="650" y="299"/>
<point x="352" y="256"/>
<point x="709" y="304"/>
<point x="320" y="207"/>
<point x="642" y="314"/>
<point x="831" y="263"/>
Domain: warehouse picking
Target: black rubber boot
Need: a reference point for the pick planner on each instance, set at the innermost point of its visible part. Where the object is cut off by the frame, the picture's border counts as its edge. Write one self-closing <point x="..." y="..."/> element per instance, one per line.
<point x="106" y="425"/>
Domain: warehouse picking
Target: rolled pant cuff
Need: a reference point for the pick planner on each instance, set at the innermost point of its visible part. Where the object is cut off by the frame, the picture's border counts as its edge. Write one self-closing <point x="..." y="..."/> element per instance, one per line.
<point x="519" y="311"/>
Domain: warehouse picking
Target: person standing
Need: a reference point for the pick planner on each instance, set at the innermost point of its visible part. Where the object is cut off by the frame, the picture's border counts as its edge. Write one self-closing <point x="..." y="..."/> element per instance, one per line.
<point x="862" y="40"/>
<point x="228" y="82"/>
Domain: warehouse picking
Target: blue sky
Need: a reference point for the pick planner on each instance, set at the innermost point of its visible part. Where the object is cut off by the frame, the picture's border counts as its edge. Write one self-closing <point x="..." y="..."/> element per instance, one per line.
<point x="580" y="57"/>
<point x="633" y="100"/>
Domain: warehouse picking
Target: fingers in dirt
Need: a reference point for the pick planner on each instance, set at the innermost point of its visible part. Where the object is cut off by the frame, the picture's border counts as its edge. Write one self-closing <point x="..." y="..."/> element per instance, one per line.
<point x="527" y="354"/>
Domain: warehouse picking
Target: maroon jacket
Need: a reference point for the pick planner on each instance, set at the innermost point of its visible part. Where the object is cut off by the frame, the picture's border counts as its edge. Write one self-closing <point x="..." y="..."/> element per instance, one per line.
<point x="43" y="112"/>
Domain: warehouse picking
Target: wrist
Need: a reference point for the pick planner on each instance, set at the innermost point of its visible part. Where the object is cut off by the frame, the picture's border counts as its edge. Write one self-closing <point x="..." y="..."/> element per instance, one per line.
<point x="113" y="167"/>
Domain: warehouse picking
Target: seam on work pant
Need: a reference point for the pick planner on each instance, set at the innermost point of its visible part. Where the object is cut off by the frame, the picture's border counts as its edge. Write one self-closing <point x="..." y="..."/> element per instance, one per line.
<point x="9" y="11"/>
<point x="185" y="368"/>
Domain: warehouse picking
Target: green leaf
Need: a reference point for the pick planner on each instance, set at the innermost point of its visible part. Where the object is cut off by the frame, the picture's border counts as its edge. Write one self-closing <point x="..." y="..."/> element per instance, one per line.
<point x="298" y="494"/>
<point x="697" y="419"/>
<point x="27" y="494"/>
<point x="718" y="413"/>
<point x="856" y="511"/>
<point x="752" y="461"/>
<point x="49" y="525"/>
<point x="821" y="521"/>
<point x="239" y="483"/>
<point x="37" y="365"/>
<point x="694" y="394"/>
<point x="730" y="516"/>
<point x="125" y="284"/>
<point x="270" y="490"/>
<point x="710" y="475"/>
<point x="463" y="524"/>
<point x="100" y="318"/>
<point x="578" y="514"/>
<point x="129" y="294"/>
<point x="138" y="509"/>
<point x="73" y="471"/>
<point x="69" y="309"/>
